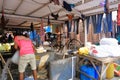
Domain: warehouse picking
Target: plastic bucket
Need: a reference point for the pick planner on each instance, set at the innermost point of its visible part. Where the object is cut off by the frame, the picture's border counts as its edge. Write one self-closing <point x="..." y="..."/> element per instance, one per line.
<point x="89" y="70"/>
<point x="110" y="71"/>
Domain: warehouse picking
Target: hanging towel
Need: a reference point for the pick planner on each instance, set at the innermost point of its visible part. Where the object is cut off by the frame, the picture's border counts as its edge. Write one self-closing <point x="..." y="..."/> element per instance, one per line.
<point x="99" y="22"/>
<point x="93" y="17"/>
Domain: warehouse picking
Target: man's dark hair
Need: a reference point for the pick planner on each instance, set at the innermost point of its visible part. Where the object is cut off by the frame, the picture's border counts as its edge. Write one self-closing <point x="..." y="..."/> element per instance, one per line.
<point x="26" y="35"/>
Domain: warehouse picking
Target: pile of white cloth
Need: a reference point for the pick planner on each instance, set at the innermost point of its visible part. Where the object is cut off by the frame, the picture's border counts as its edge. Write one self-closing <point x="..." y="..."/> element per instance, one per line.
<point x="108" y="47"/>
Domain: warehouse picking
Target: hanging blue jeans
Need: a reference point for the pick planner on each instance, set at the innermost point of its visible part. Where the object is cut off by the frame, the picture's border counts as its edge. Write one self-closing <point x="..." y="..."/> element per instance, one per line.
<point x="75" y="26"/>
<point x="118" y="29"/>
<point x="105" y="26"/>
<point x="109" y="21"/>
<point x="69" y="24"/>
<point x="93" y="17"/>
<point x="87" y="23"/>
<point x="99" y="21"/>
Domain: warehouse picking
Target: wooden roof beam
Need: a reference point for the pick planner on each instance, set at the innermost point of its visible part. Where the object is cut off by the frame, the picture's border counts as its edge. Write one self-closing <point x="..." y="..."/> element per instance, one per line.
<point x="29" y="18"/>
<point x="22" y="23"/>
<point x="18" y="6"/>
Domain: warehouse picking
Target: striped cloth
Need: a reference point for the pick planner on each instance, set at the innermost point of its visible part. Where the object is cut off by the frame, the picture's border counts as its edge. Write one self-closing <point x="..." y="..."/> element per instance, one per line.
<point x="42" y="31"/>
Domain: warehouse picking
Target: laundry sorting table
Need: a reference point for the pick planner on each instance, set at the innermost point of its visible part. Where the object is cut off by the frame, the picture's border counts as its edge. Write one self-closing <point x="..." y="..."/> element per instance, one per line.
<point x="94" y="61"/>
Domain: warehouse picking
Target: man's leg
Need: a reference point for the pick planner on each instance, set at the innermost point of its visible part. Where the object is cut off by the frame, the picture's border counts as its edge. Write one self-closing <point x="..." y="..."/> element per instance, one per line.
<point x="35" y="74"/>
<point x="21" y="76"/>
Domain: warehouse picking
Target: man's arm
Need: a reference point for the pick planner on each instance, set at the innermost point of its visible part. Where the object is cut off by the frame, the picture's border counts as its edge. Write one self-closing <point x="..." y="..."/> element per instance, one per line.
<point x="15" y="46"/>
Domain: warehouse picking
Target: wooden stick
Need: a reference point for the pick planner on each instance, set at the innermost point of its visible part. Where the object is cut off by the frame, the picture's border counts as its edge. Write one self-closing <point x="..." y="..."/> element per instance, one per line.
<point x="7" y="66"/>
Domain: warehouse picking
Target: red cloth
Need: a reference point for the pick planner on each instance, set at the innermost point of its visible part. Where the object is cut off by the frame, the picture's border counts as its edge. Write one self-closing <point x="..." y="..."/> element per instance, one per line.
<point x="70" y="16"/>
<point x="118" y="15"/>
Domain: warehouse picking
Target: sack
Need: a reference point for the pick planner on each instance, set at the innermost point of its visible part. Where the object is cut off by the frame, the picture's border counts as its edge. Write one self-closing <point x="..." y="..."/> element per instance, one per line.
<point x="15" y="58"/>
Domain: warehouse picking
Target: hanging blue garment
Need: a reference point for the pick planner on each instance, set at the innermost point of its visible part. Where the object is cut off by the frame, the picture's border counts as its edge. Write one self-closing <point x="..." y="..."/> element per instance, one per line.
<point x="105" y="25"/>
<point x="118" y="29"/>
<point x="48" y="29"/>
<point x="33" y="35"/>
<point x="87" y="23"/>
<point x="76" y="26"/>
<point x="93" y="17"/>
<point x="118" y="34"/>
<point x="67" y="6"/>
<point x="69" y="24"/>
<point x="109" y="21"/>
<point x="99" y="22"/>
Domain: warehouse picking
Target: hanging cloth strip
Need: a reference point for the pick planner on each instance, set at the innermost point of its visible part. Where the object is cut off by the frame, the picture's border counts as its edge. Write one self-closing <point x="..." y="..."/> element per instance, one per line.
<point x="99" y="22"/>
<point x="77" y="25"/>
<point x="72" y="26"/>
<point x="42" y="31"/>
<point x="32" y="33"/>
<point x="109" y="21"/>
<point x="118" y="29"/>
<point x="87" y="23"/>
<point x="93" y="17"/>
<point x="69" y="24"/>
<point x="105" y="26"/>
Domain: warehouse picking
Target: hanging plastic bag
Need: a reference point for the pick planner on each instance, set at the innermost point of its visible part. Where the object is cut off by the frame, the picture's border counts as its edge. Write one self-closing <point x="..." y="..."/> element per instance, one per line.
<point x="15" y="58"/>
